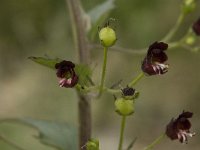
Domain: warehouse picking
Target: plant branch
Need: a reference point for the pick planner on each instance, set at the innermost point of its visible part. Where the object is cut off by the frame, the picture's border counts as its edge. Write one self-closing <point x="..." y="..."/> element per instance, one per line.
<point x="151" y="146"/>
<point x="103" y="71"/>
<point x="11" y="143"/>
<point x="135" y="80"/>
<point x="78" y="23"/>
<point x="79" y="31"/>
<point x="123" y="122"/>
<point x="131" y="51"/>
<point x="173" y="30"/>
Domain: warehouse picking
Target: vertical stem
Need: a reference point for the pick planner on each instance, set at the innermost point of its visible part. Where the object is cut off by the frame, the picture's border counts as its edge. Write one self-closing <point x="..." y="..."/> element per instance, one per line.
<point x="79" y="33"/>
<point x="103" y="71"/>
<point x="174" y="29"/>
<point x="79" y="30"/>
<point x="123" y="122"/>
<point x="84" y="121"/>
<point x="157" y="141"/>
<point x="135" y="80"/>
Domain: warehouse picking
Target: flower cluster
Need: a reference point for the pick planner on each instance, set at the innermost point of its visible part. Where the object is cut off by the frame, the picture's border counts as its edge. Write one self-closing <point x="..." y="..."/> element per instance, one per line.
<point x="180" y="128"/>
<point x="154" y="62"/>
<point x="66" y="74"/>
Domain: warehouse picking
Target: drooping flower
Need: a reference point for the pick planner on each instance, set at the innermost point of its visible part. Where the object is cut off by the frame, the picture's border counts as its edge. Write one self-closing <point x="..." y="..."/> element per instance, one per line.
<point x="66" y="74"/>
<point x="196" y="27"/>
<point x="180" y="128"/>
<point x="155" y="60"/>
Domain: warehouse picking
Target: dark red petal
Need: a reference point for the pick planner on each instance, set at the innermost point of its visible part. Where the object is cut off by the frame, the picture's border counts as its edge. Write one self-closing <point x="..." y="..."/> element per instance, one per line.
<point x="148" y="68"/>
<point x="183" y="124"/>
<point x="171" y="130"/>
<point x="186" y="114"/>
<point x="156" y="52"/>
<point x="196" y="27"/>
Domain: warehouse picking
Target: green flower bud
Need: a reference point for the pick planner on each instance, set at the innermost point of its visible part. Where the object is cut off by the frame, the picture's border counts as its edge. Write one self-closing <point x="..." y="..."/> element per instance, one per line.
<point x="107" y="36"/>
<point x="92" y="144"/>
<point x="124" y="107"/>
<point x="188" y="6"/>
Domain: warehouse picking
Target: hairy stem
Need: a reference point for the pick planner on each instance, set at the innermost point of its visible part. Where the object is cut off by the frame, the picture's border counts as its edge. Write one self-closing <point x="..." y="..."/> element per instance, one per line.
<point x="123" y="122"/>
<point x="79" y="33"/>
<point x="157" y="141"/>
<point x="11" y="143"/>
<point x="103" y="71"/>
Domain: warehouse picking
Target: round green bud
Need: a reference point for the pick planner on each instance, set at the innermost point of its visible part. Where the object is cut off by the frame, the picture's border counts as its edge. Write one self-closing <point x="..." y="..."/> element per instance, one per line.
<point x="92" y="144"/>
<point x="107" y="36"/>
<point x="124" y="107"/>
<point x="188" y="6"/>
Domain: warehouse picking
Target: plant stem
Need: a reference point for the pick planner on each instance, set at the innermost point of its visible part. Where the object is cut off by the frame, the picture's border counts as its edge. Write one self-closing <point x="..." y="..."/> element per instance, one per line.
<point x="172" y="32"/>
<point x="135" y="80"/>
<point x="157" y="141"/>
<point x="10" y="143"/>
<point x="141" y="51"/>
<point x="79" y="33"/>
<point x="123" y="122"/>
<point x="103" y="70"/>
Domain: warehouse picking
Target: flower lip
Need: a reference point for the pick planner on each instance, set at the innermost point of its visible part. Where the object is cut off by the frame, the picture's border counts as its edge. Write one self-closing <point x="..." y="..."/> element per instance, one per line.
<point x="196" y="27"/>
<point x="180" y="128"/>
<point x="66" y="74"/>
<point x="154" y="62"/>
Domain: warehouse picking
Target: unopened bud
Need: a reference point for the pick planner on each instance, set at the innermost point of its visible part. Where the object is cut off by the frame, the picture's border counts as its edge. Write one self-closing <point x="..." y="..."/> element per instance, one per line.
<point x="107" y="36"/>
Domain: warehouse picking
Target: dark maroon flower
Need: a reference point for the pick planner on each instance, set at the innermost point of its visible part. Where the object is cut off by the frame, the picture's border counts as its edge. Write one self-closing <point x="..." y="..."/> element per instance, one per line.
<point x="66" y="74"/>
<point x="180" y="128"/>
<point x="154" y="62"/>
<point x="196" y="27"/>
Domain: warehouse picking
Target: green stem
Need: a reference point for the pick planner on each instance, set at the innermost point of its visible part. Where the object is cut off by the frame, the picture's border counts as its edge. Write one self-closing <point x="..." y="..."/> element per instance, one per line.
<point x="172" y="32"/>
<point x="103" y="71"/>
<point x="157" y="141"/>
<point x="135" y="80"/>
<point x="123" y="122"/>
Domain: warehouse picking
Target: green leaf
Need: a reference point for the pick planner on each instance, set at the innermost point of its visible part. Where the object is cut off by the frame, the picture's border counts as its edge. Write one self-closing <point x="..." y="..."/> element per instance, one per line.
<point x="83" y="72"/>
<point x="59" y="135"/>
<point x="98" y="15"/>
<point x="50" y="63"/>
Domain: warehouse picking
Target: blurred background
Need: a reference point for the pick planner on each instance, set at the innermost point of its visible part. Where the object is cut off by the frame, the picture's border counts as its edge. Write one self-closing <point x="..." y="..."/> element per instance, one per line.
<point x="42" y="28"/>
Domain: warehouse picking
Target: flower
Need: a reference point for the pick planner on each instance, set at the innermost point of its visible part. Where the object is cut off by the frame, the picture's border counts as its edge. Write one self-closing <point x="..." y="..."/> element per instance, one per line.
<point x="66" y="74"/>
<point x="180" y="128"/>
<point x="154" y="62"/>
<point x="196" y="27"/>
